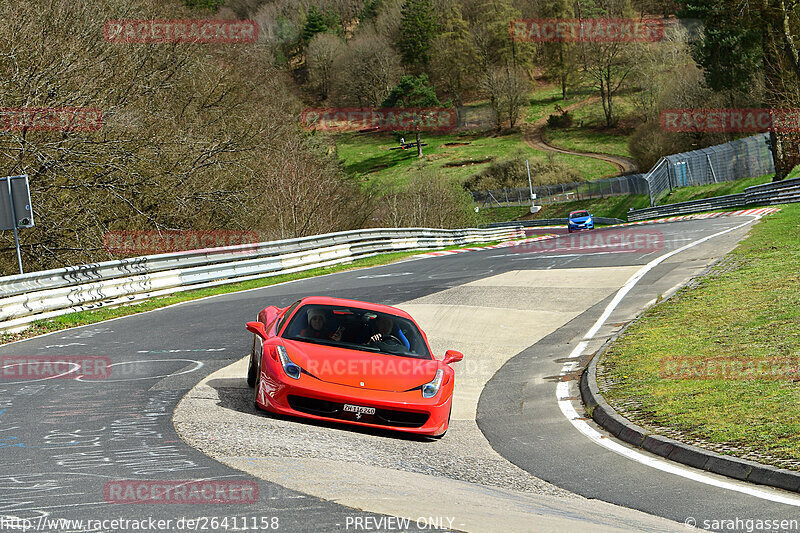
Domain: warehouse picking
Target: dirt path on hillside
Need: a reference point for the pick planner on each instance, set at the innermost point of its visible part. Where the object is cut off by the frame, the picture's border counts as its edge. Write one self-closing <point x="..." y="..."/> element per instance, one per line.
<point x="532" y="135"/>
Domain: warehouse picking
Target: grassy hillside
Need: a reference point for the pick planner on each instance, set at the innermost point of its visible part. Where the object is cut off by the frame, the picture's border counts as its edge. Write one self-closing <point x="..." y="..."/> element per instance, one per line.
<point x="544" y="99"/>
<point x="589" y="133"/>
<point x="457" y="156"/>
<point x="686" y="194"/>
<point x="460" y="155"/>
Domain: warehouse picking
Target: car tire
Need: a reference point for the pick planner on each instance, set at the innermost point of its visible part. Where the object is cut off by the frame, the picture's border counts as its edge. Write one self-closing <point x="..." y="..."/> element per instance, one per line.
<point x="251" y="368"/>
<point x="257" y="385"/>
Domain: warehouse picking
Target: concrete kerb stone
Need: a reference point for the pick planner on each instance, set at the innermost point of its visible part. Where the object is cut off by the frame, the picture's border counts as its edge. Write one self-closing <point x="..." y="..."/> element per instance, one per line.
<point x="604" y="414"/>
<point x="775" y="477"/>
<point x="607" y="417"/>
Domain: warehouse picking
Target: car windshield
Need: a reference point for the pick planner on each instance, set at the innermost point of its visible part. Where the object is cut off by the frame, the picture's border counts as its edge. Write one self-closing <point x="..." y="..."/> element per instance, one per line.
<point x="579" y="214"/>
<point x="358" y="329"/>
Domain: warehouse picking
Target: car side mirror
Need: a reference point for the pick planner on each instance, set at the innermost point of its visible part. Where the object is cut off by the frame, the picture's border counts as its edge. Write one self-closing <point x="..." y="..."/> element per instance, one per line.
<point x="258" y="328"/>
<point x="452" y="356"/>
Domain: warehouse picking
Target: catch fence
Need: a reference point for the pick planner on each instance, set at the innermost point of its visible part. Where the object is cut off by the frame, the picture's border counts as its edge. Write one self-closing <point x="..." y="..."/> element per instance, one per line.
<point x="562" y="192"/>
<point x="742" y="158"/>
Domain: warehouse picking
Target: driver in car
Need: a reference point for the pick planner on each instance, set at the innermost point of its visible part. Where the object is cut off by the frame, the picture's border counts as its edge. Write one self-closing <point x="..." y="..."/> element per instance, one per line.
<point x="385" y="326"/>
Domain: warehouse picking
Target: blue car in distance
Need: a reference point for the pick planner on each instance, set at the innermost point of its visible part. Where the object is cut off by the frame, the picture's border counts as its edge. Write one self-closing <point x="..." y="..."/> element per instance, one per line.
<point x="580" y="220"/>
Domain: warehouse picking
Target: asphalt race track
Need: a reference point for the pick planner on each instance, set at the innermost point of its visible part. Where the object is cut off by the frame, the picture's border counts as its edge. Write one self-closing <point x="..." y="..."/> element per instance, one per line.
<point x="68" y="444"/>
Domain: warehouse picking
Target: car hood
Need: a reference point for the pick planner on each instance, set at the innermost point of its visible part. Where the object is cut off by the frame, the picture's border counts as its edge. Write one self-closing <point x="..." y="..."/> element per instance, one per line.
<point x="579" y="220"/>
<point x="365" y="370"/>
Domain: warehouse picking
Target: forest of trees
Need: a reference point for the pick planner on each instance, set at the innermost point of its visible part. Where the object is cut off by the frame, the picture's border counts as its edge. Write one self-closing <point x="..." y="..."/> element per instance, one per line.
<point x="715" y="53"/>
<point x="208" y="137"/>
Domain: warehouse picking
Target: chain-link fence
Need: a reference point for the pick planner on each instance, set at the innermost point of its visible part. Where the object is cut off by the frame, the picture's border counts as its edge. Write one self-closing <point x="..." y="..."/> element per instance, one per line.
<point x="742" y="158"/>
<point x="563" y="192"/>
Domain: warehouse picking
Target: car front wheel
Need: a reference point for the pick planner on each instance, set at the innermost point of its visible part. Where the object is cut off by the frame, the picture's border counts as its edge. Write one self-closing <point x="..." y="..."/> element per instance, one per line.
<point x="251" y="368"/>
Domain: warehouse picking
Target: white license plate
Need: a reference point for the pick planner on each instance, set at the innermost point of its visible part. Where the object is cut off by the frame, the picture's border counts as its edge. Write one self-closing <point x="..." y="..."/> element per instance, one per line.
<point x="358" y="409"/>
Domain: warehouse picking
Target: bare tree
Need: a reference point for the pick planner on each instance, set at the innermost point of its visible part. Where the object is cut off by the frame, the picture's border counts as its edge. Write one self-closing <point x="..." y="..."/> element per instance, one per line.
<point x="188" y="132"/>
<point x="656" y="65"/>
<point x="429" y="200"/>
<point x="365" y="72"/>
<point x="322" y="52"/>
<point x="608" y="65"/>
<point x="500" y="62"/>
<point x="307" y="198"/>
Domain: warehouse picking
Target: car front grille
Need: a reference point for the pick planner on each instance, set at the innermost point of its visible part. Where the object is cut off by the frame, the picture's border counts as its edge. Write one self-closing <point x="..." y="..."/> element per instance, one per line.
<point x="335" y="410"/>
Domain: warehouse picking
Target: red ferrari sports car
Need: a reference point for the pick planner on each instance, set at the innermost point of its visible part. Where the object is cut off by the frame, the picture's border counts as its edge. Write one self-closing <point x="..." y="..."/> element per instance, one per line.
<point x="352" y="362"/>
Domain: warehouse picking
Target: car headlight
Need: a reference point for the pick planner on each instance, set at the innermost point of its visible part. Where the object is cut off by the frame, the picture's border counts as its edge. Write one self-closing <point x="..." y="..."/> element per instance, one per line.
<point x="291" y="369"/>
<point x="430" y="389"/>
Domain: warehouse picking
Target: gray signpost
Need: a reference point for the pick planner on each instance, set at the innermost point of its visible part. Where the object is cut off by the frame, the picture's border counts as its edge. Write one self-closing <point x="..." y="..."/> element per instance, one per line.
<point x="15" y="208"/>
<point x="534" y="208"/>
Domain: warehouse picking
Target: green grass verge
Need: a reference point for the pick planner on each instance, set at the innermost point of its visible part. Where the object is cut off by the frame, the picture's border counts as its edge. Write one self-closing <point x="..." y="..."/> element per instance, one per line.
<point x="686" y="194"/>
<point x="488" y="215"/>
<point x="749" y="309"/>
<point x="593" y="115"/>
<point x="83" y="318"/>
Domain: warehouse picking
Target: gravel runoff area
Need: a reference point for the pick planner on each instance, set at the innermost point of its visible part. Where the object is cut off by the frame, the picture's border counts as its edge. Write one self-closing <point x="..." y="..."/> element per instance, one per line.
<point x="239" y="430"/>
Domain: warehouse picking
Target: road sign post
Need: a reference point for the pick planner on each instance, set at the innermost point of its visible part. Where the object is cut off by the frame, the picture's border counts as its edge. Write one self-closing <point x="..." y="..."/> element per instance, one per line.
<point x="534" y="208"/>
<point x="15" y="203"/>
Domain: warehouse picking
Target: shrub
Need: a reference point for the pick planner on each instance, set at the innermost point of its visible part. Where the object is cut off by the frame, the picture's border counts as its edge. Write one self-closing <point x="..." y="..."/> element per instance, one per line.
<point x="511" y="173"/>
<point x="560" y="120"/>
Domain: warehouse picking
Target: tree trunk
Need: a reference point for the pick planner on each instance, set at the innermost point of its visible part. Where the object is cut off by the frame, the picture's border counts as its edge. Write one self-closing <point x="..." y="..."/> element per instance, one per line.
<point x="778" y="156"/>
<point x="419" y="145"/>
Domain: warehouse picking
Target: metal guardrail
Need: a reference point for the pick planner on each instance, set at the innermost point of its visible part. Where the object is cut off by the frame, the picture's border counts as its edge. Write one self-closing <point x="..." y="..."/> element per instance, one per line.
<point x="780" y="192"/>
<point x="25" y="298"/>
<point x="785" y="191"/>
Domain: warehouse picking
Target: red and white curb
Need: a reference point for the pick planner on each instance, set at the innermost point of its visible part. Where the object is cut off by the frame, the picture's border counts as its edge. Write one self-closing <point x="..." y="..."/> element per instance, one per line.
<point x="504" y="244"/>
<point x="761" y="211"/>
